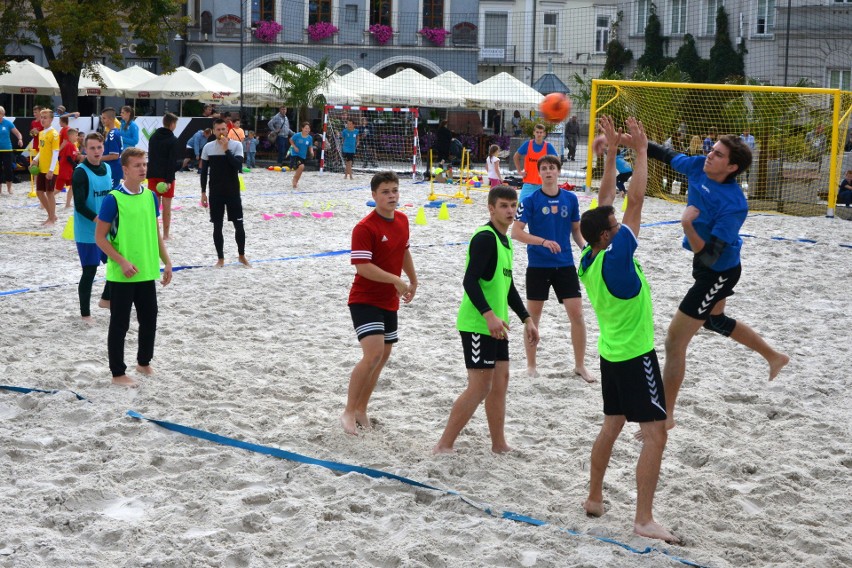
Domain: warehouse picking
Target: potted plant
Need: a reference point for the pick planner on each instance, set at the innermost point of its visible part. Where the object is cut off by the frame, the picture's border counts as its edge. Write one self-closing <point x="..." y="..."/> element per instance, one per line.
<point x="381" y="33"/>
<point x="267" y="31"/>
<point x="435" y="35"/>
<point x="321" y="30"/>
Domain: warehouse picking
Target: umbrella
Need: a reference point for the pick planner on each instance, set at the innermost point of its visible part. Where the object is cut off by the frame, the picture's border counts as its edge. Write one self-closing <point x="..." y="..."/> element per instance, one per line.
<point x="452" y="82"/>
<point x="114" y="83"/>
<point x="503" y="92"/>
<point x="182" y="84"/>
<point x="223" y="74"/>
<point x="27" y="78"/>
<point x="412" y="88"/>
<point x="368" y="86"/>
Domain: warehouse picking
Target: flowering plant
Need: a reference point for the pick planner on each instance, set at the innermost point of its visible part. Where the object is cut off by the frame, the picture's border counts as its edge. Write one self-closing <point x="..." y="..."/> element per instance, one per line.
<point x="321" y="30"/>
<point x="436" y="35"/>
<point x="382" y="33"/>
<point x="267" y="31"/>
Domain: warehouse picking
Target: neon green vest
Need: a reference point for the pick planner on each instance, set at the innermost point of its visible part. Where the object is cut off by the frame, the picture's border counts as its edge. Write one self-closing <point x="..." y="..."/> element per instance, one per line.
<point x="626" y="326"/>
<point x="496" y="290"/>
<point x="136" y="237"/>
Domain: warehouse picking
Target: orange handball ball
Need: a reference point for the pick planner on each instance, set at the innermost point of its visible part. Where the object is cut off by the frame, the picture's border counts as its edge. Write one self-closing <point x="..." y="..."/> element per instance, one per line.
<point x="555" y="107"/>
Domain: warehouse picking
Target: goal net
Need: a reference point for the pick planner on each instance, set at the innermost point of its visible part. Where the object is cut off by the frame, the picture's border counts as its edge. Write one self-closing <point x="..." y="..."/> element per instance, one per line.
<point x="798" y="134"/>
<point x="387" y="139"/>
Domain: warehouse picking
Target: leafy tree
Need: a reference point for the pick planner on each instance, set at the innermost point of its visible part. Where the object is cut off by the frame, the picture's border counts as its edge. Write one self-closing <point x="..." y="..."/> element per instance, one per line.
<point x="74" y="37"/>
<point x="725" y="61"/>
<point x="654" y="57"/>
<point x="300" y="86"/>
<point x="688" y="60"/>
<point x="617" y="56"/>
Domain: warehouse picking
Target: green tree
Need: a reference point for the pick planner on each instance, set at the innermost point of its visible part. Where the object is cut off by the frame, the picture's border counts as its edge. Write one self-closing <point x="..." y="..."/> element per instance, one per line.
<point x="725" y="61"/>
<point x="654" y="58"/>
<point x="300" y="86"/>
<point x="617" y="56"/>
<point x="688" y="60"/>
<point x="74" y="37"/>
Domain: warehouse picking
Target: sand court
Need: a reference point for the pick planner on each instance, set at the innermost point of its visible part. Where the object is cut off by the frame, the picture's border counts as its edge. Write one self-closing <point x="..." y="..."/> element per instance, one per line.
<point x="755" y="474"/>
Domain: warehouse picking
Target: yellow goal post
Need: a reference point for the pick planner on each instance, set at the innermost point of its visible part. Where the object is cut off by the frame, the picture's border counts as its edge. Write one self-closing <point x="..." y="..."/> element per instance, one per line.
<point x="799" y="137"/>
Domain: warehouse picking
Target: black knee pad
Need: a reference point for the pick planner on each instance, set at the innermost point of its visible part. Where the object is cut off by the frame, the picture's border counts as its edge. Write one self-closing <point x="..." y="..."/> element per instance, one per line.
<point x="721" y="324"/>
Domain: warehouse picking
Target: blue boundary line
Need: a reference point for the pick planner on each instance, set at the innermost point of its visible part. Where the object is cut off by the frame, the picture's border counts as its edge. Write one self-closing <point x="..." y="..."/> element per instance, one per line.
<point x="369" y="472"/>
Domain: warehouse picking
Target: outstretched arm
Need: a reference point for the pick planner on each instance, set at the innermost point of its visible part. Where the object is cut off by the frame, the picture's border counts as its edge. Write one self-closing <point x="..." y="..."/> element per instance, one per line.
<point x="611" y="136"/>
<point x="637" y="140"/>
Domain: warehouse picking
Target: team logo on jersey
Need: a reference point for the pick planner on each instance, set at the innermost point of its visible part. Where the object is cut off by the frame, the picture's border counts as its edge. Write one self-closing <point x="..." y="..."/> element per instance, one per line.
<point x="384" y="238"/>
<point x="545" y="210"/>
<point x="554" y="209"/>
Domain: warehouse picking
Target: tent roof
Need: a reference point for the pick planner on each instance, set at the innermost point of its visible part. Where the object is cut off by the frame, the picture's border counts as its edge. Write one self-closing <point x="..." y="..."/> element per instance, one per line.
<point x="452" y="82"/>
<point x="411" y="88"/>
<point x="183" y="83"/>
<point x="114" y="83"/>
<point x="368" y="86"/>
<point x="223" y="74"/>
<point x="27" y="78"/>
<point x="550" y="83"/>
<point x="503" y="92"/>
<point x="134" y="75"/>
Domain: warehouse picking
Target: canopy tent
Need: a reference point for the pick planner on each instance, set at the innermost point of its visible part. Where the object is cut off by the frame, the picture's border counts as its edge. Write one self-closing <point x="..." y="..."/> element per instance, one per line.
<point x="257" y="87"/>
<point x="452" y="82"/>
<point x="134" y="75"/>
<point x="411" y="88"/>
<point x="114" y="84"/>
<point x="27" y="78"/>
<point x="181" y="84"/>
<point x="334" y="92"/>
<point x="503" y="92"/>
<point x="369" y="87"/>
<point x="223" y="74"/>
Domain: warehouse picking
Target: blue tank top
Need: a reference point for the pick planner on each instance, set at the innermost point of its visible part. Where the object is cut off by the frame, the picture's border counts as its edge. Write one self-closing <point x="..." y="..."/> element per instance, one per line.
<point x="99" y="187"/>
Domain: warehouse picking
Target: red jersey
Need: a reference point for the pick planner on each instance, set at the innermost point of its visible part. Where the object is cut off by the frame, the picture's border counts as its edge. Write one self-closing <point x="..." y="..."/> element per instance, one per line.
<point x="63" y="134"/>
<point x="36" y="125"/>
<point x="67" y="161"/>
<point x="381" y="242"/>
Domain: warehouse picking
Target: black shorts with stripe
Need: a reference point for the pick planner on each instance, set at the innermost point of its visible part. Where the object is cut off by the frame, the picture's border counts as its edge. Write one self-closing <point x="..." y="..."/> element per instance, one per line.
<point x="481" y="351"/>
<point x="370" y="320"/>
<point x="633" y="388"/>
<point x="709" y="287"/>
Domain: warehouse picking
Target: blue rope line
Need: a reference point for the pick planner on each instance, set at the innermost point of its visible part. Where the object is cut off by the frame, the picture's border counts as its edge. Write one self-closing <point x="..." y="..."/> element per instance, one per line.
<point x="27" y="390"/>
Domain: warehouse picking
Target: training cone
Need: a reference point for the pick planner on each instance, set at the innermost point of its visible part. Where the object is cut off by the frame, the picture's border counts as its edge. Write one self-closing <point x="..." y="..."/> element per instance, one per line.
<point x="68" y="231"/>
<point x="443" y="213"/>
<point x="624" y="204"/>
<point x="420" y="219"/>
<point x="593" y="204"/>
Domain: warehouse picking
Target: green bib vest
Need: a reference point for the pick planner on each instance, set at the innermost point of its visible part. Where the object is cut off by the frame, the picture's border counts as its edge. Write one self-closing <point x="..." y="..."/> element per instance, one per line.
<point x="496" y="290"/>
<point x="136" y="237"/>
<point x="626" y="326"/>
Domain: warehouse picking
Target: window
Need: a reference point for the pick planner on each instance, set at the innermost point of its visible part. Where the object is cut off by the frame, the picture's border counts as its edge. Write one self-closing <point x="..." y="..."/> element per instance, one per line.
<point x="765" y="17"/>
<point x="496" y="29"/>
<point x="262" y="10"/>
<point x="195" y="14"/>
<point x="433" y="13"/>
<point x="839" y="79"/>
<point x="350" y="13"/>
<point x="679" y="17"/>
<point x="602" y="24"/>
<point x="319" y="11"/>
<point x="641" y="16"/>
<point x="380" y="12"/>
<point x="712" y="8"/>
<point x="548" y="38"/>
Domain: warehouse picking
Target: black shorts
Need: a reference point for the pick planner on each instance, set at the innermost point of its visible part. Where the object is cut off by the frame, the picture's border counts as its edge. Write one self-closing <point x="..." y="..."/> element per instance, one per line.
<point x="481" y="351"/>
<point x="42" y="184"/>
<point x="296" y="161"/>
<point x="563" y="279"/>
<point x="633" y="388"/>
<point x="370" y="320"/>
<point x="233" y="205"/>
<point x="189" y="154"/>
<point x="710" y="287"/>
<point x="348" y="156"/>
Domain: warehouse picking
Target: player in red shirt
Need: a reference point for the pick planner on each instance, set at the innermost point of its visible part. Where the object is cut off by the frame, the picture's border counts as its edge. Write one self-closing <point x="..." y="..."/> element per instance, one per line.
<point x="67" y="162"/>
<point x="380" y="255"/>
<point x="36" y="127"/>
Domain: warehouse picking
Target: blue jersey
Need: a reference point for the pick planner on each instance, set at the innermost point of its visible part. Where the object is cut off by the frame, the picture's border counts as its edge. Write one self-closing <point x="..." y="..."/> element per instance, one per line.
<point x="302" y="144"/>
<point x="350" y="140"/>
<point x="622" y="165"/>
<point x="113" y="146"/>
<point x="723" y="209"/>
<point x="618" y="270"/>
<point x="550" y="218"/>
<point x="6" y="128"/>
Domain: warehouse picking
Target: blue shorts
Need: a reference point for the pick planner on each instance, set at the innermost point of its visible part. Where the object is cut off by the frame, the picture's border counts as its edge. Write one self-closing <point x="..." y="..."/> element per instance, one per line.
<point x="90" y="254"/>
<point x="528" y="189"/>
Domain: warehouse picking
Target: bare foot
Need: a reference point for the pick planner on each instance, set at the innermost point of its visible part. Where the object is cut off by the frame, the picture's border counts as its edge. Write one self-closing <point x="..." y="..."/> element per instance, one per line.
<point x="655" y="530"/>
<point x="584" y="374"/>
<point x="670" y="423"/>
<point x="49" y="222"/>
<point x="501" y="449"/>
<point x="243" y="260"/>
<point x="88" y="320"/>
<point x="776" y="364"/>
<point x="103" y="304"/>
<point x="362" y="420"/>
<point x="166" y="236"/>
<point x="220" y="263"/>
<point x="145" y="369"/>
<point x="125" y="381"/>
<point x="532" y="372"/>
<point x="349" y="424"/>
<point x="442" y="450"/>
<point x="594" y="508"/>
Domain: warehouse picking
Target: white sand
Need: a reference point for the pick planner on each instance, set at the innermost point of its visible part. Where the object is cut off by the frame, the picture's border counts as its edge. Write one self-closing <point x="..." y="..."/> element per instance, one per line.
<point x="755" y="474"/>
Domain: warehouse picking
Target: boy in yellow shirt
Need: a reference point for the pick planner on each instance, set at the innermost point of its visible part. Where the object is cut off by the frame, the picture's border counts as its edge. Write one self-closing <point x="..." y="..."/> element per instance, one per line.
<point x="47" y="161"/>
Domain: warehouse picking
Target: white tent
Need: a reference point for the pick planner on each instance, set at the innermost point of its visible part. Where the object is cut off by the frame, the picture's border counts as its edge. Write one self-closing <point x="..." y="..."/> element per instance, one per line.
<point x="503" y="92"/>
<point x="27" y="78"/>
<point x="369" y="87"/>
<point x="181" y="84"/>
<point x="453" y="82"/>
<point x="134" y="75"/>
<point x="257" y="87"/>
<point x="411" y="88"/>
<point x="337" y="94"/>
<point x="114" y="83"/>
<point x="223" y="74"/>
